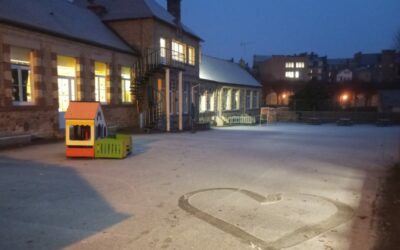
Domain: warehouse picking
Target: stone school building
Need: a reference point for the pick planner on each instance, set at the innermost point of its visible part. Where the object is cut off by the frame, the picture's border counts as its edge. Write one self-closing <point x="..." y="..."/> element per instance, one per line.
<point x="56" y="54"/>
<point x="132" y="56"/>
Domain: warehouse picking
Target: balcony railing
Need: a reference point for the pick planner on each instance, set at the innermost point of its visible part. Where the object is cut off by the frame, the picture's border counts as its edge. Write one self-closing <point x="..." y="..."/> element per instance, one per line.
<point x="163" y="57"/>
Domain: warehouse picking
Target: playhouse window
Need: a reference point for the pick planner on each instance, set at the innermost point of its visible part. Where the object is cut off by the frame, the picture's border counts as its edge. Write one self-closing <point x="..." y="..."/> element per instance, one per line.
<point x="79" y="133"/>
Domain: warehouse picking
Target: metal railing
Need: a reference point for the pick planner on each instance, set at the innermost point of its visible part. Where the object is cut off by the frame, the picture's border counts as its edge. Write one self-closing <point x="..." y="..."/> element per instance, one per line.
<point x="155" y="58"/>
<point x="242" y="119"/>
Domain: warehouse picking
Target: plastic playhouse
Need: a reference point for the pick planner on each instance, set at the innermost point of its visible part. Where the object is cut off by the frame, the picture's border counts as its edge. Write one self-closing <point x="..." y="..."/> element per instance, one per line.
<point x="86" y="134"/>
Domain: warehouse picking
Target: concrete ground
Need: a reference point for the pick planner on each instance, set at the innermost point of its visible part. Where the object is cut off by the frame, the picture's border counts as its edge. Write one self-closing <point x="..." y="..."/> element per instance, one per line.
<point x="273" y="187"/>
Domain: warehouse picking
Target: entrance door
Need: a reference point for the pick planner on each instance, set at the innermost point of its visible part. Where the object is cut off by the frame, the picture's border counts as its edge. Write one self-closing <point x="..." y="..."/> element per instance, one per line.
<point x="66" y="93"/>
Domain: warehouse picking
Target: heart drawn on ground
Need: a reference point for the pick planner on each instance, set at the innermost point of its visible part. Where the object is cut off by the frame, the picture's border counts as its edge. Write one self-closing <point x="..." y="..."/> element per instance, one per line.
<point x="269" y="222"/>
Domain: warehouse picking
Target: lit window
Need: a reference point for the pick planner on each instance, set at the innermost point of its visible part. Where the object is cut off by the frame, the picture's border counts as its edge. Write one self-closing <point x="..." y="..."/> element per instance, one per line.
<point x="192" y="56"/>
<point x="296" y="74"/>
<point x="178" y="51"/>
<point x="289" y="74"/>
<point x="66" y="71"/>
<point x="126" y="84"/>
<point x="226" y="99"/>
<point x="100" y="82"/>
<point x="211" y="102"/>
<point x="203" y="102"/>
<point x="163" y="44"/>
<point x="235" y="99"/>
<point x="299" y="65"/>
<point x="21" y="75"/>
<point x="289" y="65"/>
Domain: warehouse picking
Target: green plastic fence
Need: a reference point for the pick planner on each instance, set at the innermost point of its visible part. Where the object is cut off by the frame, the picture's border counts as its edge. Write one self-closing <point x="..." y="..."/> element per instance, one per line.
<point x="128" y="141"/>
<point x="113" y="147"/>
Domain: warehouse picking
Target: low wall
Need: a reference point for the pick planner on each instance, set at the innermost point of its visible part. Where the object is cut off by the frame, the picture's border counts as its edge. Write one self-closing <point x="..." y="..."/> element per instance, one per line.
<point x="34" y="120"/>
<point x="285" y="115"/>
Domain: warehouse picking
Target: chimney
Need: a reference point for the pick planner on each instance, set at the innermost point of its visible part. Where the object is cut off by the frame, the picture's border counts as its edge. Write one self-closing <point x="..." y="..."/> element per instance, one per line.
<point x="174" y="7"/>
<point x="98" y="9"/>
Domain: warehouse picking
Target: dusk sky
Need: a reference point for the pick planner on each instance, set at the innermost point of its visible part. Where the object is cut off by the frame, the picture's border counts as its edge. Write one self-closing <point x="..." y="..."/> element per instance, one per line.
<point x="334" y="28"/>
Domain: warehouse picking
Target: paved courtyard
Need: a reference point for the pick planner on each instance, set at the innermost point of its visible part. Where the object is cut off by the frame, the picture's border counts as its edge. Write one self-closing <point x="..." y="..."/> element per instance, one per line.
<point x="272" y="187"/>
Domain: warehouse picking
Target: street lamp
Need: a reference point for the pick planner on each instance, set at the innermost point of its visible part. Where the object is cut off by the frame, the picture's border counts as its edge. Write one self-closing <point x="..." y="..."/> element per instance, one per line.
<point x="344" y="99"/>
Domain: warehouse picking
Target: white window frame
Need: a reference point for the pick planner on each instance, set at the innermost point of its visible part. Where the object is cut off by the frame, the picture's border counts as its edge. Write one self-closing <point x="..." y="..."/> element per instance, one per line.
<point x="228" y="102"/>
<point x="235" y="99"/>
<point x="20" y="68"/>
<point x="191" y="55"/>
<point x="72" y="91"/>
<point x="178" y="51"/>
<point x="211" y="101"/>
<point x="203" y="102"/>
<point x="100" y="89"/>
<point x="126" y="82"/>
<point x="163" y="46"/>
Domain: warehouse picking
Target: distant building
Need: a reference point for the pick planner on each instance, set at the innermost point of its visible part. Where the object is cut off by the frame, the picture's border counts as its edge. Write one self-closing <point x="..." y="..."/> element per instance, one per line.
<point x="376" y="67"/>
<point x="281" y="75"/>
<point x="360" y="77"/>
<point x="345" y="75"/>
<point x="334" y="66"/>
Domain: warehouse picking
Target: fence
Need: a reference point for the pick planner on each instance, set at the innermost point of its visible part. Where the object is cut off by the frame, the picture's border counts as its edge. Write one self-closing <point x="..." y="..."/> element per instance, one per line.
<point x="241" y="120"/>
<point x="117" y="147"/>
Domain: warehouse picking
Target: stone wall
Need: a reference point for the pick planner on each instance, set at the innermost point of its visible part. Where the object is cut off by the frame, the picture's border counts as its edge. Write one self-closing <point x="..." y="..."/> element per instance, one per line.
<point x="37" y="121"/>
<point x="121" y="116"/>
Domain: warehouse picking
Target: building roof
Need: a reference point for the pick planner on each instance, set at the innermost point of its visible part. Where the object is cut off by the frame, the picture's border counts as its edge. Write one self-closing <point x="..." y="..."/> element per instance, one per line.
<point x="82" y="110"/>
<point x="60" y="17"/>
<point x="136" y="9"/>
<point x="224" y="71"/>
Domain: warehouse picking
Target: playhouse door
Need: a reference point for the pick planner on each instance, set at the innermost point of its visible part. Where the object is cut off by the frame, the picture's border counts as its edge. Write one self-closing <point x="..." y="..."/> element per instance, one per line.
<point x="66" y="93"/>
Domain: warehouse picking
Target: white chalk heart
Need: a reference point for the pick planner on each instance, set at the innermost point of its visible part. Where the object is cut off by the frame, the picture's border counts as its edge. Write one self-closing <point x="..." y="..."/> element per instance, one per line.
<point x="333" y="214"/>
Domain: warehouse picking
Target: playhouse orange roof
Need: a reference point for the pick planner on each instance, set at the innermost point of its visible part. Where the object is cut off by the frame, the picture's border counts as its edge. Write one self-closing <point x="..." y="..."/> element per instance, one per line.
<point x="82" y="110"/>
